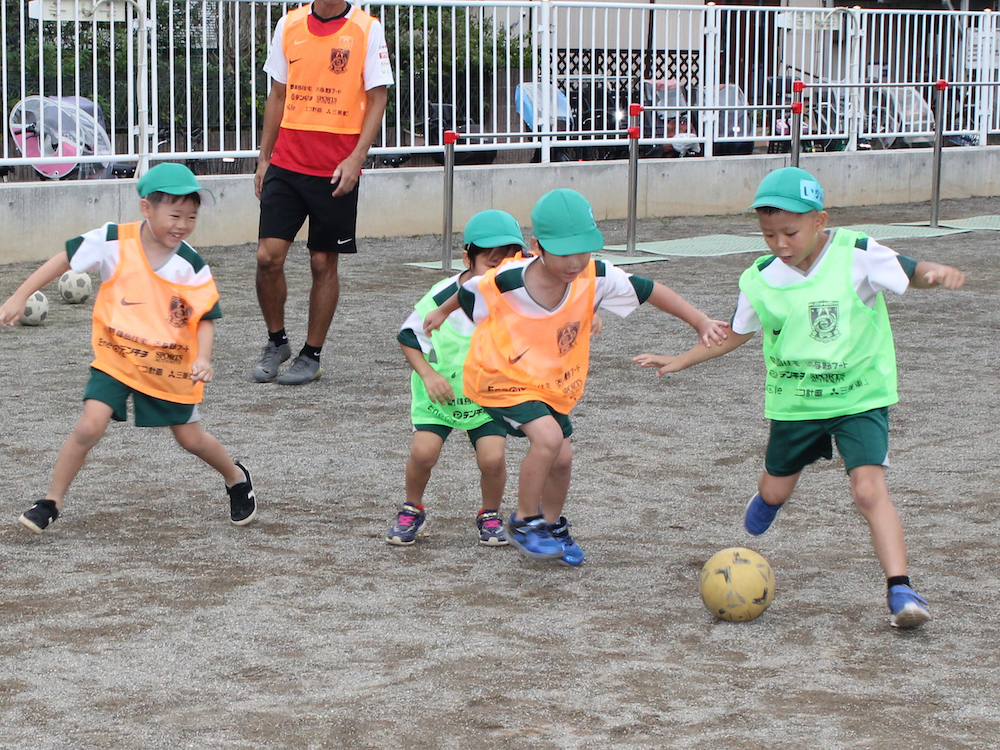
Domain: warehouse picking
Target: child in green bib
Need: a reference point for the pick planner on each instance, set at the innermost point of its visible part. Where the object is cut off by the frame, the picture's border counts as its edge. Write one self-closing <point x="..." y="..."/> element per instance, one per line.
<point x="438" y="405"/>
<point x="831" y="363"/>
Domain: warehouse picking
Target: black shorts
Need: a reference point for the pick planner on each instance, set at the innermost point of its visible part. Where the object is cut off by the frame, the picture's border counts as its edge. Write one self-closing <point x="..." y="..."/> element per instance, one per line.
<point x="288" y="198"/>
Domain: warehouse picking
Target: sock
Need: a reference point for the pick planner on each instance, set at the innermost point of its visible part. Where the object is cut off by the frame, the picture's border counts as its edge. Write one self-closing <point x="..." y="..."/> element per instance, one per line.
<point x="311" y="351"/>
<point x="898" y="581"/>
<point x="239" y="482"/>
<point x="278" y="338"/>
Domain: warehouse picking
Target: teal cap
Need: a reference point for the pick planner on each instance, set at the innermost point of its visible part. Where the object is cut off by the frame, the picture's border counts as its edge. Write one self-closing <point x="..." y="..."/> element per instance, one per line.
<point x="790" y="189"/>
<point x="563" y="223"/>
<point x="173" y="179"/>
<point x="493" y="228"/>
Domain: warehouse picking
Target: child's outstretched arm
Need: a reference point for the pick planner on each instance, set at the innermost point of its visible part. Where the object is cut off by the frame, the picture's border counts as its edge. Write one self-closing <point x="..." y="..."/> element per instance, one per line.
<point x="666" y="299"/>
<point x="693" y="356"/>
<point x="438" y="387"/>
<point x="929" y="274"/>
<point x="437" y="316"/>
<point x="201" y="368"/>
<point x="52" y="269"/>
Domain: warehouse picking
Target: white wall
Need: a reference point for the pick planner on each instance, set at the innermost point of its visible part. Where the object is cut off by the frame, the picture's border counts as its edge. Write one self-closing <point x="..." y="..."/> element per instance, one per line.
<point x="37" y="218"/>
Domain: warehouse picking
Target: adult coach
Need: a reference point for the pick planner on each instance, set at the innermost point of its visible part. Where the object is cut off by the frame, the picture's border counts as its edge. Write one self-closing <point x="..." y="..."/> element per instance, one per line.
<point x="329" y="70"/>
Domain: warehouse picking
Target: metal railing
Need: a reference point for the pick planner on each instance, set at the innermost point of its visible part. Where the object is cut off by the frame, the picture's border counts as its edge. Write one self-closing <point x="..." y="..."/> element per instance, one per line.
<point x="183" y="80"/>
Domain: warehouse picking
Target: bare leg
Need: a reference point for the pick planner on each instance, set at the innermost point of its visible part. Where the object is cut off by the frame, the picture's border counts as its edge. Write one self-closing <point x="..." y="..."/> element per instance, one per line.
<point x="195" y="440"/>
<point x="424" y="453"/>
<point x="871" y="497"/>
<point x="87" y="433"/>
<point x="546" y="439"/>
<point x="323" y="296"/>
<point x="272" y="290"/>
<point x="492" y="460"/>
<point x="557" y="485"/>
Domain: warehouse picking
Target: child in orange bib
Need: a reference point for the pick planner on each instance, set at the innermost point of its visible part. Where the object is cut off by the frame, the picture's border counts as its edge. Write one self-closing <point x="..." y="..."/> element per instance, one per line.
<point x="152" y="335"/>
<point x="530" y="353"/>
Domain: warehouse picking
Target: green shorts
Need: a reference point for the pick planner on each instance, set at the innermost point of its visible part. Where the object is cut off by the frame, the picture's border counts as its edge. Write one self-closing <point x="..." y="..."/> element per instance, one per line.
<point x="443" y="431"/>
<point x="512" y="417"/>
<point x="149" y="411"/>
<point x="862" y="440"/>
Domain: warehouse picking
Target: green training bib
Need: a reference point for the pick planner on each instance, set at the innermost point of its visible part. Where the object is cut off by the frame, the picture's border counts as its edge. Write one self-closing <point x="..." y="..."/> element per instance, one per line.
<point x="827" y="353"/>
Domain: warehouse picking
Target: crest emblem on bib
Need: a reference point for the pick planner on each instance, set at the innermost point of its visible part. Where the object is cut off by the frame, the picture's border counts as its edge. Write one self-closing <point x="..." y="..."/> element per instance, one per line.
<point x="824" y="319"/>
<point x="180" y="312"/>
<point x="339" y="56"/>
<point x="567" y="337"/>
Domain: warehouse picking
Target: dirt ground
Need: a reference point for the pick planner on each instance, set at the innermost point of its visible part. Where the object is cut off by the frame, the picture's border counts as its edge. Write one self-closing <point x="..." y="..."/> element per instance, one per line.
<point x="143" y="619"/>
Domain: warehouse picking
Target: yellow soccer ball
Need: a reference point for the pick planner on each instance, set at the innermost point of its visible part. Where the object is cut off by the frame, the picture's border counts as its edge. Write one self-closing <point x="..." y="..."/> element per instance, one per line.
<point x="737" y="584"/>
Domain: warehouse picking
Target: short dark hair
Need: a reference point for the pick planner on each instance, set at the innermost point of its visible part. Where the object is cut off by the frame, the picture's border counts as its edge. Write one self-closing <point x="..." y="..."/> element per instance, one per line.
<point x="475" y="250"/>
<point x="768" y="210"/>
<point x="157" y="197"/>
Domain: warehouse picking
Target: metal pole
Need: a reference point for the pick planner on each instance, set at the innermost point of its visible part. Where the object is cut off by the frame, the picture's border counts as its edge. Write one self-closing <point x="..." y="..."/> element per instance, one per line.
<point x="797" y="88"/>
<point x="450" y="136"/>
<point x="939" y="89"/>
<point x="635" y="115"/>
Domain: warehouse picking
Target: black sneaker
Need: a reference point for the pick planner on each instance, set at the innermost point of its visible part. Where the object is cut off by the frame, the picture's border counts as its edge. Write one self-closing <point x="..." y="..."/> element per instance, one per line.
<point x="242" y="501"/>
<point x="40" y="515"/>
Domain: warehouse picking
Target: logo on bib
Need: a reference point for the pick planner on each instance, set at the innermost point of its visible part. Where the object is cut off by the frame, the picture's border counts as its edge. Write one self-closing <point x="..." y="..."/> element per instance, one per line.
<point x="824" y="318"/>
<point x="339" y="56"/>
<point x="180" y="312"/>
<point x="567" y="336"/>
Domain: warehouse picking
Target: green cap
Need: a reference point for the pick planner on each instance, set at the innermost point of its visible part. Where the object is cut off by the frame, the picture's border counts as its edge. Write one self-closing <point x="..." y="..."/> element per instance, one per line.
<point x="790" y="189"/>
<point x="563" y="223"/>
<point x="493" y="228"/>
<point x="173" y="179"/>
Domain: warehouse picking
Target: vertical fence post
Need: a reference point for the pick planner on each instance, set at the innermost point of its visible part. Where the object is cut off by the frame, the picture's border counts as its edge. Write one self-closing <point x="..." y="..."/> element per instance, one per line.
<point x="635" y="117"/>
<point x="797" y="88"/>
<point x="450" y="136"/>
<point x="939" y="89"/>
<point x="548" y="88"/>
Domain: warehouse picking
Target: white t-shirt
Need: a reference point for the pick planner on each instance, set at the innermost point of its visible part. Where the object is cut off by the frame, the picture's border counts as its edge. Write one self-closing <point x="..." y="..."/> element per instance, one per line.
<point x="875" y="269"/>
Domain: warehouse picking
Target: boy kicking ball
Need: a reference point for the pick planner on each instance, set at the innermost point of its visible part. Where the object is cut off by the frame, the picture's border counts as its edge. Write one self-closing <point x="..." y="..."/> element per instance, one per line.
<point x="152" y="335"/>
<point x="831" y="362"/>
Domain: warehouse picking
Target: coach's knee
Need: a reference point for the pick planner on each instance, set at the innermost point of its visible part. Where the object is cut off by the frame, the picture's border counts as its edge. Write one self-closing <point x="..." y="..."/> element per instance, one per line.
<point x="271" y="257"/>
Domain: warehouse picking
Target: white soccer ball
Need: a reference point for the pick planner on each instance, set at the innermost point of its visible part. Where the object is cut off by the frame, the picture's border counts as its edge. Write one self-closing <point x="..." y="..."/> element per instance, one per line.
<point x="36" y="311"/>
<point x="74" y="287"/>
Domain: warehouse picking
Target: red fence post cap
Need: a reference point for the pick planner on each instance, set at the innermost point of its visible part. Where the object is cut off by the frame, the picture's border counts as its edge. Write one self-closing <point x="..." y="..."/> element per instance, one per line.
<point x="633" y="132"/>
<point x="450" y="136"/>
<point x="635" y="109"/>
<point x="797" y="108"/>
<point x="798" y="86"/>
<point x="941" y="84"/>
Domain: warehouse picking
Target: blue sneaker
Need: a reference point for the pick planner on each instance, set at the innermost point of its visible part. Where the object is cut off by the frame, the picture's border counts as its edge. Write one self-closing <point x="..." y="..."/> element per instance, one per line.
<point x="909" y="609"/>
<point x="410" y="523"/>
<point x="572" y="555"/>
<point x="490" y="526"/>
<point x="759" y="515"/>
<point x="532" y="537"/>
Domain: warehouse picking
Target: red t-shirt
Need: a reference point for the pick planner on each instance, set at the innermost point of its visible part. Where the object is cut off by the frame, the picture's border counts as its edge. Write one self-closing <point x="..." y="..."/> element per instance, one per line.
<point x="306" y="151"/>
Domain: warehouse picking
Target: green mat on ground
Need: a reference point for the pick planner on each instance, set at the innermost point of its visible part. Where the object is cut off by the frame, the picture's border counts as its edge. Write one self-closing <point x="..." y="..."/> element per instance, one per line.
<point x="991" y="223"/>
<point x="896" y="231"/>
<point x="713" y="244"/>
<point x="618" y="260"/>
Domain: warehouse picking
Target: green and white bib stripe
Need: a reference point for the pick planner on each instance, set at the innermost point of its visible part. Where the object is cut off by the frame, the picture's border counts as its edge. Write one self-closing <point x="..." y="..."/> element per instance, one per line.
<point x="448" y="348"/>
<point x="827" y="353"/>
<point x="97" y="250"/>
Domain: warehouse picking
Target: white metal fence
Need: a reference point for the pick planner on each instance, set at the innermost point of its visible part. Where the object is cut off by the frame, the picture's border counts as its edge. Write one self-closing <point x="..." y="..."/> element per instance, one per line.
<point x="549" y="80"/>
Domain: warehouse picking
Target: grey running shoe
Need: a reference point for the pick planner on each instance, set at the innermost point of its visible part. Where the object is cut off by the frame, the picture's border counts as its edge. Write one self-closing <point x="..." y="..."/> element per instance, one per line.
<point x="271" y="356"/>
<point x="303" y="370"/>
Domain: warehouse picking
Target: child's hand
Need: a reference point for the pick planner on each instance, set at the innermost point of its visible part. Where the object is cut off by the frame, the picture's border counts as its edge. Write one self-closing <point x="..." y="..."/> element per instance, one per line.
<point x="596" y="325"/>
<point x="946" y="276"/>
<point x="201" y="371"/>
<point x="434" y="319"/>
<point x="712" y="331"/>
<point x="11" y="310"/>
<point x="664" y="363"/>
<point x="438" y="388"/>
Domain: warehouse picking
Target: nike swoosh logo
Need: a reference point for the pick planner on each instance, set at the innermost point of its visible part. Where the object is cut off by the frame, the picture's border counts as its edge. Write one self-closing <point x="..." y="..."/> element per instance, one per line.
<point x="294" y="61"/>
<point x="514" y="360"/>
<point x="299" y="41"/>
<point x="342" y="242"/>
<point x="125" y="303"/>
